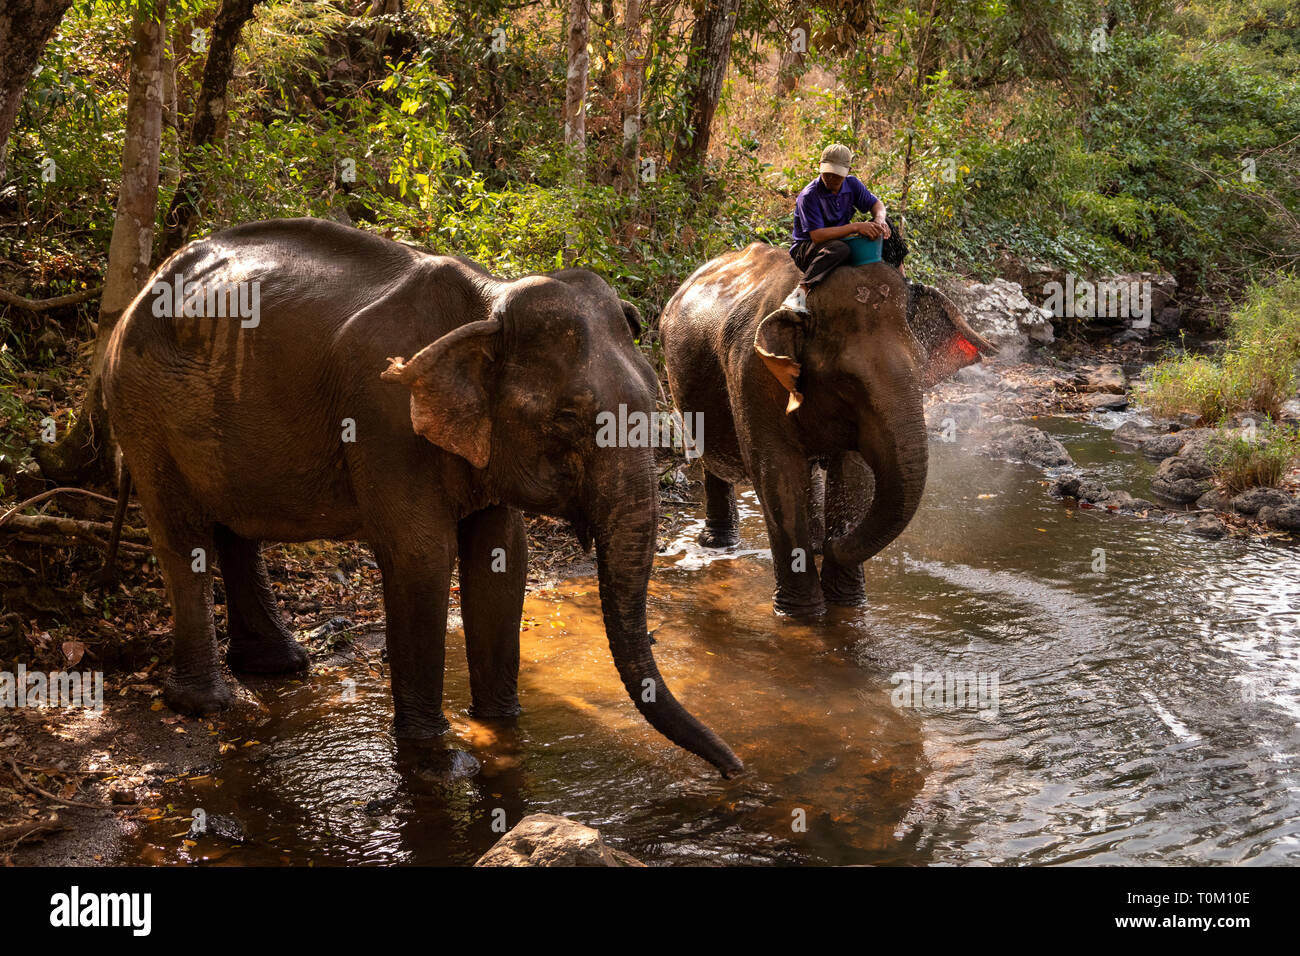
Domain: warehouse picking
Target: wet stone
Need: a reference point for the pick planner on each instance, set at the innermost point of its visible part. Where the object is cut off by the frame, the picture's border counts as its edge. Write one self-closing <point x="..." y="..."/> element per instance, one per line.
<point x="544" y="839"/>
<point x="1131" y="433"/>
<point x="1284" y="517"/>
<point x="1249" y="502"/>
<point x="1106" y="378"/>
<point x="1207" y="526"/>
<point x="1163" y="446"/>
<point x="1104" y="402"/>
<point x="1182" y="479"/>
<point x="1214" y="500"/>
<point x="219" y="825"/>
<point x="1084" y="489"/>
<point x="1033" y="446"/>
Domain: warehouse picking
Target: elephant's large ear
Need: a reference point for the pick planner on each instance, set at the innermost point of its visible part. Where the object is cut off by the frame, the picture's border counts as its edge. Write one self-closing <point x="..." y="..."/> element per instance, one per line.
<point x="948" y="341"/>
<point x="449" y="389"/>
<point x="633" y="316"/>
<point x="779" y="341"/>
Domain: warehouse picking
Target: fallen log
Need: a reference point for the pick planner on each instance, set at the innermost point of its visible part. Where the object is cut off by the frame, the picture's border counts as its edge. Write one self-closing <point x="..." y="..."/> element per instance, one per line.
<point x="46" y="527"/>
<point x="44" y="305"/>
<point x="46" y="495"/>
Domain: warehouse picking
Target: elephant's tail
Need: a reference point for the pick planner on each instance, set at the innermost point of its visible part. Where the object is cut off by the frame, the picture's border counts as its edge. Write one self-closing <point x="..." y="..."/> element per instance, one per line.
<point x="108" y="574"/>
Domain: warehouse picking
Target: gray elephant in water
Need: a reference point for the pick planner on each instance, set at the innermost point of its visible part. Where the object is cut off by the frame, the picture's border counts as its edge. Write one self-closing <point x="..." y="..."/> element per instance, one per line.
<point x="254" y="394"/>
<point x="840" y="384"/>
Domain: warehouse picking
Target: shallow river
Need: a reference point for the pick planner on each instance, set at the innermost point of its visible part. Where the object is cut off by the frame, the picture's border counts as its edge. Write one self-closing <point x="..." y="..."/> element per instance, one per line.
<point x="1138" y="701"/>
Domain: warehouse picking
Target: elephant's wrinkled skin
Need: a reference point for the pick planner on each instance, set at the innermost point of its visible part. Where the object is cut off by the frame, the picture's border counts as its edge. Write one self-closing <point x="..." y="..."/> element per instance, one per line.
<point x="236" y="435"/>
<point x="840" y="385"/>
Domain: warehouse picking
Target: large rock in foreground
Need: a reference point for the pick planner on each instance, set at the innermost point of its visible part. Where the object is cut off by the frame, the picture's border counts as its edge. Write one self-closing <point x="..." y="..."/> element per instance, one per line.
<point x="543" y="839"/>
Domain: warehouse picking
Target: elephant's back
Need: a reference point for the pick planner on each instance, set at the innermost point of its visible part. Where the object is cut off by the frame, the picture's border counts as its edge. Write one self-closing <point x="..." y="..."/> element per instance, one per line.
<point x="726" y="293"/>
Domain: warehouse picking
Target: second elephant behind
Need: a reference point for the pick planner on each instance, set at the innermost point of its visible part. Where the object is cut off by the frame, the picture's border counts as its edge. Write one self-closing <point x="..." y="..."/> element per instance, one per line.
<point x="840" y="384"/>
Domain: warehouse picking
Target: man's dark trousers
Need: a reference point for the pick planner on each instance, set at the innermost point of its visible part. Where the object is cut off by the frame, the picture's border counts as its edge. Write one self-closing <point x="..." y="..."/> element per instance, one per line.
<point x="817" y="260"/>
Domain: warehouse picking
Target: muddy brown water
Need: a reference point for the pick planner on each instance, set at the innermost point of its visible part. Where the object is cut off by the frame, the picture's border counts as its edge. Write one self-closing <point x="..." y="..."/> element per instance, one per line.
<point x="1145" y="713"/>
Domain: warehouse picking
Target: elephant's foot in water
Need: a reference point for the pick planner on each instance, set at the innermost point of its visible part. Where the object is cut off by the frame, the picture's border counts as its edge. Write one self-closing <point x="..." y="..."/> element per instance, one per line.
<point x="501" y="707"/>
<point x="800" y="599"/>
<point x="719" y="536"/>
<point x="419" y="726"/>
<point x="845" y="586"/>
<point x="722" y="518"/>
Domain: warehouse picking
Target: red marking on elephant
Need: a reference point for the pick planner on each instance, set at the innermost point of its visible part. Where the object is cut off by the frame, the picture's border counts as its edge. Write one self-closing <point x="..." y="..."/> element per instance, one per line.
<point x="957" y="355"/>
<point x="965" y="349"/>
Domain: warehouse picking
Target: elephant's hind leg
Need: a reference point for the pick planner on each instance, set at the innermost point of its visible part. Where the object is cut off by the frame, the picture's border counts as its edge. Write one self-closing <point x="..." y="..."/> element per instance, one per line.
<point x="183" y="545"/>
<point x="259" y="641"/>
<point x="721" y="519"/>
<point x="493" y="575"/>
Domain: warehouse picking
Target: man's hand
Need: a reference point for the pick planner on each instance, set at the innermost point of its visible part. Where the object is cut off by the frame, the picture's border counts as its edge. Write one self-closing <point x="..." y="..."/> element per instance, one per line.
<point x="874" y="230"/>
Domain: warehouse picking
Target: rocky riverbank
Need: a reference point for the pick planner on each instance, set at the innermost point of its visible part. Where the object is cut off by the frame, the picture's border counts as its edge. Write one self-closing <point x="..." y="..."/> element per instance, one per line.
<point x="993" y="407"/>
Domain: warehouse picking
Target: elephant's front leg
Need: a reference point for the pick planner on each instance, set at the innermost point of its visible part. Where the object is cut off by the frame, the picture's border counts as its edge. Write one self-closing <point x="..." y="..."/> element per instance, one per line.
<point x="849" y="488"/>
<point x="493" y="575"/>
<point x="417" y="583"/>
<point x="783" y="488"/>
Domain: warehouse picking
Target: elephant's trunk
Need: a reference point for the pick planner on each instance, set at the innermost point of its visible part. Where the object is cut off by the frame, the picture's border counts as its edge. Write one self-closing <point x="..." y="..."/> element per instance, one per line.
<point x="625" y="547"/>
<point x="893" y="442"/>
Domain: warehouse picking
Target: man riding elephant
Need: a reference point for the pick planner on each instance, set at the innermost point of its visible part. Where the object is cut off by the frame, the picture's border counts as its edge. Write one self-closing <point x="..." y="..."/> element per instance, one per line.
<point x="823" y="212"/>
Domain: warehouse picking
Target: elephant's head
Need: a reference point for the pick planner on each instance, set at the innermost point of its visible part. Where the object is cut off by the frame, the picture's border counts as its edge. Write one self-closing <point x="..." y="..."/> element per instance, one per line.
<point x="520" y="396"/>
<point x="854" y="366"/>
<point x="947" y="342"/>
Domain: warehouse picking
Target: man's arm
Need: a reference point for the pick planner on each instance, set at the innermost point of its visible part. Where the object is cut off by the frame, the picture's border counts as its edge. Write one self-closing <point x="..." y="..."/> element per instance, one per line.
<point x="827" y="233"/>
<point x="877" y="228"/>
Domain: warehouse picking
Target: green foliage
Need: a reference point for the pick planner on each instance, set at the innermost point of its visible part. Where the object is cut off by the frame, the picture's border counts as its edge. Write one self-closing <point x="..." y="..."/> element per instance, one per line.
<point x="1241" y="461"/>
<point x="1257" y="371"/>
<point x="998" y="126"/>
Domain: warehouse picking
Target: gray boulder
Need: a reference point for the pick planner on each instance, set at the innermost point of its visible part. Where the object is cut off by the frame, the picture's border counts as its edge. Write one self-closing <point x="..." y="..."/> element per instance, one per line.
<point x="1163" y="446"/>
<point x="1207" y="526"/>
<point x="1000" y="312"/>
<point x="1214" y="500"/>
<point x="1032" y="446"/>
<point x="1104" y="378"/>
<point x="1283" y="517"/>
<point x="1102" y="402"/>
<point x="1085" y="489"/>
<point x="1250" y="502"/>
<point x="1181" y="480"/>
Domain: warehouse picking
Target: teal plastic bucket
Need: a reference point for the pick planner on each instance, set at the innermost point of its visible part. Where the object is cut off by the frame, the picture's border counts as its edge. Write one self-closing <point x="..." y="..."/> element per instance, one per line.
<point x="863" y="250"/>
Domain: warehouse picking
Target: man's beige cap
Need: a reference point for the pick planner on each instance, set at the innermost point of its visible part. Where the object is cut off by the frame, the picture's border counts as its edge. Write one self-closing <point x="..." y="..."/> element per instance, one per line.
<point x="836" y="159"/>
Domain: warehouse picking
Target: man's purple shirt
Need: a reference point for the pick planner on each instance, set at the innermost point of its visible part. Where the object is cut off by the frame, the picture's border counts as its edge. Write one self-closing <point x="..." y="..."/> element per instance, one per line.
<point x="817" y="207"/>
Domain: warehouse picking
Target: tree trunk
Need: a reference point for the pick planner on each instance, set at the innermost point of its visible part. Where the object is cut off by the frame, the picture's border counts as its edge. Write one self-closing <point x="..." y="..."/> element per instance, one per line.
<point x="26" y="27"/>
<point x="575" y="90"/>
<point x="381" y="8"/>
<point x="706" y="68"/>
<point x="793" y="55"/>
<point x="209" y="121"/>
<point x="82" y="455"/>
<point x="633" y="68"/>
